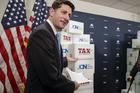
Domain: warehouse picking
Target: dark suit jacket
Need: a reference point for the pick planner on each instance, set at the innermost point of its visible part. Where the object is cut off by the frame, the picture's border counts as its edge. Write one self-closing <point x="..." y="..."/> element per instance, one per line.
<point x="45" y="63"/>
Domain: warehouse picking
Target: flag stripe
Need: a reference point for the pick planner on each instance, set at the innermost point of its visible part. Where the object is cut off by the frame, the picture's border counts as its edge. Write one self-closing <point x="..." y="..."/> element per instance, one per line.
<point x="21" y="51"/>
<point x="32" y="18"/>
<point x="9" y="71"/>
<point x="11" y="61"/>
<point x="1" y="87"/>
<point x="12" y="49"/>
<point x="28" y="29"/>
<point x="3" y="67"/>
<point x="2" y="79"/>
<point x="22" y="31"/>
<point x="14" y="52"/>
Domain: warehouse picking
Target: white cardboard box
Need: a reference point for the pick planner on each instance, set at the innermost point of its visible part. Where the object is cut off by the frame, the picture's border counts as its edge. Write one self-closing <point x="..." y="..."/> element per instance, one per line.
<point x="138" y="34"/>
<point x="138" y="88"/>
<point x="132" y="52"/>
<point x="129" y="67"/>
<point x="81" y="39"/>
<point x="74" y="27"/>
<point x="65" y="38"/>
<point x="82" y="51"/>
<point x="85" y="88"/>
<point x="65" y="49"/>
<point x="133" y="86"/>
<point x="137" y="79"/>
<point x="87" y="67"/>
<point x="132" y="55"/>
<point x="135" y="43"/>
<point x="125" y="91"/>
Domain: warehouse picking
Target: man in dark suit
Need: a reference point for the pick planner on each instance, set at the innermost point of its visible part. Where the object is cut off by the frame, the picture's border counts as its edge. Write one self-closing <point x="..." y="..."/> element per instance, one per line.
<point x="135" y="69"/>
<point x="44" y="54"/>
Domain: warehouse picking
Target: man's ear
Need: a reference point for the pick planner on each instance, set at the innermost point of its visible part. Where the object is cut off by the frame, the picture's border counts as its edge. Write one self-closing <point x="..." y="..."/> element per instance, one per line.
<point x="51" y="11"/>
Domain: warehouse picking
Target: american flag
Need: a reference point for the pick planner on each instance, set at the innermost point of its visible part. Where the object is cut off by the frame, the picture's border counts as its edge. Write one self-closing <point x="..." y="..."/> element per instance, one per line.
<point x="39" y="15"/>
<point x="13" y="63"/>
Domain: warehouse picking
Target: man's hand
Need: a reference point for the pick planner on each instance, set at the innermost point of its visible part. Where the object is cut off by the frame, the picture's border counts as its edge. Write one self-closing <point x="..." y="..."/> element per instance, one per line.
<point x="70" y="59"/>
<point x="77" y="85"/>
<point x="129" y="78"/>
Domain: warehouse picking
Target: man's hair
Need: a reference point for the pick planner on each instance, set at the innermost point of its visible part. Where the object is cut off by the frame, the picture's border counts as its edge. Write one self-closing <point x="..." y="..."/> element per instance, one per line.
<point x="57" y="4"/>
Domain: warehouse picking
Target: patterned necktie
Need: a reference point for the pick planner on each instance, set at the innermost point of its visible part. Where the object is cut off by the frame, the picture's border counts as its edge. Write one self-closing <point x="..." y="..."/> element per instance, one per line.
<point x="58" y="41"/>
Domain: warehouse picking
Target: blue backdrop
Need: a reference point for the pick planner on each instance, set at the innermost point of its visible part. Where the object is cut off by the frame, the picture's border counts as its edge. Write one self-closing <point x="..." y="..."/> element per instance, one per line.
<point x="111" y="37"/>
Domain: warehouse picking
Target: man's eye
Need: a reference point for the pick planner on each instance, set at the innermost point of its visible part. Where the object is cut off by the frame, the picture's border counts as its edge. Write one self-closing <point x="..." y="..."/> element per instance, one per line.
<point x="70" y="15"/>
<point x="64" y="12"/>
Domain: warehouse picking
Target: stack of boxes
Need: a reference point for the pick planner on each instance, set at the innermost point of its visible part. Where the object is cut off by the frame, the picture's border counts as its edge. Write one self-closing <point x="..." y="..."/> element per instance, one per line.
<point x="132" y="55"/>
<point x="76" y="44"/>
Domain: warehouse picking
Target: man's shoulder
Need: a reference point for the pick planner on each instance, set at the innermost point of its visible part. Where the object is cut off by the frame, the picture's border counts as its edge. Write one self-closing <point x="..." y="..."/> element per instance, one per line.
<point x="43" y="29"/>
<point x="43" y="26"/>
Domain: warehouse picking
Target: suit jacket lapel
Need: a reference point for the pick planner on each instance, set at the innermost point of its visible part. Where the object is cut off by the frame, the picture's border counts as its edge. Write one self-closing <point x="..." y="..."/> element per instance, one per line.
<point x="55" y="39"/>
<point x="52" y="33"/>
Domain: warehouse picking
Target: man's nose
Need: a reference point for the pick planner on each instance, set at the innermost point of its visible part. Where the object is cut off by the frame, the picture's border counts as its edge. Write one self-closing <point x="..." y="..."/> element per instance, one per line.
<point x="67" y="17"/>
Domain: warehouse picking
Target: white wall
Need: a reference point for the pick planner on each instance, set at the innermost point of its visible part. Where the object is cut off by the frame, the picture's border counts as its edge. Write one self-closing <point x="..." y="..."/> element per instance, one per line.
<point x="3" y="5"/>
<point x="102" y="10"/>
<point x="83" y="7"/>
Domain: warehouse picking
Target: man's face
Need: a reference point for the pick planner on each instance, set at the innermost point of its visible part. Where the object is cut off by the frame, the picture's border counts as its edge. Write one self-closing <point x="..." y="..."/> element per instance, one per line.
<point x="61" y="16"/>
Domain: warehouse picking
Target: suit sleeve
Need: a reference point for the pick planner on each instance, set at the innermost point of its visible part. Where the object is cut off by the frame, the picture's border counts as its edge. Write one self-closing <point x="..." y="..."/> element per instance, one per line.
<point x="43" y="58"/>
<point x="133" y="71"/>
<point x="135" y="68"/>
<point x="65" y="62"/>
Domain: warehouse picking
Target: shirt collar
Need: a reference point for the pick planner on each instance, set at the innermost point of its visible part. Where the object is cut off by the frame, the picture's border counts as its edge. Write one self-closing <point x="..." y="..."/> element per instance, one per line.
<point x="52" y="26"/>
